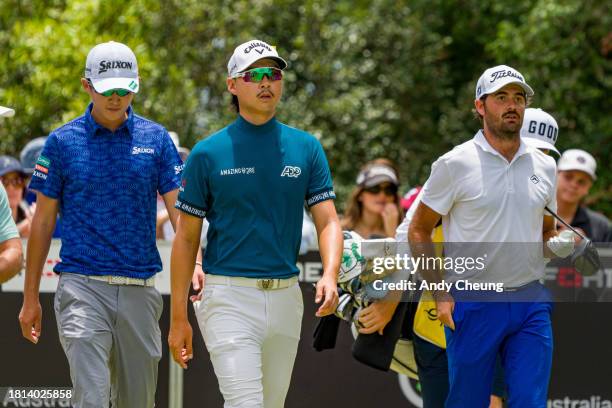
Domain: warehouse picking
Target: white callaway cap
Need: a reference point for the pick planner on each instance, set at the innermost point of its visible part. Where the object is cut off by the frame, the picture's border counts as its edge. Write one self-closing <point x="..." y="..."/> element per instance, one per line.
<point x="250" y="52"/>
<point x="6" y="112"/>
<point x="540" y="129"/>
<point x="112" y="65"/>
<point x="576" y="159"/>
<point x="493" y="79"/>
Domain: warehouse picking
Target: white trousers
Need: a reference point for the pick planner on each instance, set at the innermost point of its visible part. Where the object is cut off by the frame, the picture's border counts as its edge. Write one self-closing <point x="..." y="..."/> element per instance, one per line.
<point x="252" y="337"/>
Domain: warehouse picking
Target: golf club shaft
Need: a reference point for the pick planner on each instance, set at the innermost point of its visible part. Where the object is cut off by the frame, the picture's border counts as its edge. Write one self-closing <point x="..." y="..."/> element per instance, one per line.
<point x="564" y="223"/>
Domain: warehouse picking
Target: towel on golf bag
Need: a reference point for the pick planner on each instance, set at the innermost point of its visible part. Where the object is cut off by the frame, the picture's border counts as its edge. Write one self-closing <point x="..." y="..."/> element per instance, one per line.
<point x="377" y="350"/>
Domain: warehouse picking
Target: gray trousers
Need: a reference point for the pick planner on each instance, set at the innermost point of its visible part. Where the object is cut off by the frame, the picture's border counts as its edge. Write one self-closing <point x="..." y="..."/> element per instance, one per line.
<point x="111" y="337"/>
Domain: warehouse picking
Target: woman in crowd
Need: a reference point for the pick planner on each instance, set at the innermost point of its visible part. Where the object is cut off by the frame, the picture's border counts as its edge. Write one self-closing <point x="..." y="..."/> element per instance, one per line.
<point x="14" y="180"/>
<point x="374" y="209"/>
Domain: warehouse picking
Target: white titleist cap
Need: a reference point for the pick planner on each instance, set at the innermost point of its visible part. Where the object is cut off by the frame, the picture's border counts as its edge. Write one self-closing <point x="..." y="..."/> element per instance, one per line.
<point x="112" y="65"/>
<point x="493" y="79"/>
<point x="576" y="159"/>
<point x="540" y="129"/>
<point x="248" y="53"/>
<point x="6" y="112"/>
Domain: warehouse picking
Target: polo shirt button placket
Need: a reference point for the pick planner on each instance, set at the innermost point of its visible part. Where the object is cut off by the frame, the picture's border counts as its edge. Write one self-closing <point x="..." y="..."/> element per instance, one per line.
<point x="509" y="181"/>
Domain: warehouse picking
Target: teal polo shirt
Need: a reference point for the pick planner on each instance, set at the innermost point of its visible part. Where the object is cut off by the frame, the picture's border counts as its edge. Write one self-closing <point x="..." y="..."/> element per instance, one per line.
<point x="251" y="182"/>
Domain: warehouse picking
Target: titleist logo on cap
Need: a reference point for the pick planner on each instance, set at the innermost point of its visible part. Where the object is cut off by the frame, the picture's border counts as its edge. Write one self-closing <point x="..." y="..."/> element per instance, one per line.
<point x="505" y="73"/>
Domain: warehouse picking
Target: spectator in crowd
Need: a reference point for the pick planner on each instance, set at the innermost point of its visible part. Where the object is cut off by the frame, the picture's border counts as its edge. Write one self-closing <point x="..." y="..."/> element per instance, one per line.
<point x="374" y="209"/>
<point x="576" y="174"/>
<point x="28" y="157"/>
<point x="13" y="178"/>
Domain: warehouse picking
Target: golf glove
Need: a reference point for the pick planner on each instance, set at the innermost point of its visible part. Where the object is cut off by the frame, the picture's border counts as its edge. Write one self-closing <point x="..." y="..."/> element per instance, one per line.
<point x="563" y="244"/>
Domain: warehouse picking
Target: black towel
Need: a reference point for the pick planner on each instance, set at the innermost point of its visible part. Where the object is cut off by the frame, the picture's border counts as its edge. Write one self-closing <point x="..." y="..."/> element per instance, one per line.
<point x="376" y="350"/>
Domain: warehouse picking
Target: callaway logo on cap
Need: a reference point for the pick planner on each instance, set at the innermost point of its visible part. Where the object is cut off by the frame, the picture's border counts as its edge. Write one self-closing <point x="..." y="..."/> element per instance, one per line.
<point x="497" y="77"/>
<point x="112" y="65"/>
<point x="540" y="130"/>
<point x="250" y="52"/>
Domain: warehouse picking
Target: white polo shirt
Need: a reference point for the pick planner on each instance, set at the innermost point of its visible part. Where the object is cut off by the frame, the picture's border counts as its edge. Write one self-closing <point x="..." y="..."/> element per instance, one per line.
<point x="483" y="198"/>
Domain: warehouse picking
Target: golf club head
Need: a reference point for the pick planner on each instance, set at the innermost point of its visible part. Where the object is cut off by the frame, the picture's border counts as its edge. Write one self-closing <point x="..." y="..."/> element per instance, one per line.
<point x="586" y="259"/>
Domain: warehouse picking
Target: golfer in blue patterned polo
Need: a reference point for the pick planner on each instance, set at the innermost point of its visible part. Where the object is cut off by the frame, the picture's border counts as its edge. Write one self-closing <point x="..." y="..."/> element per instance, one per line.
<point x="250" y="180"/>
<point x="102" y="172"/>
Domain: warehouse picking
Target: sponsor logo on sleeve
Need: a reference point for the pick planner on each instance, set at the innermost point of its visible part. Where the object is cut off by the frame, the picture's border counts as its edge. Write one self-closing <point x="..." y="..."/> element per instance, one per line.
<point x="181" y="205"/>
<point x="41" y="168"/>
<point x="326" y="195"/>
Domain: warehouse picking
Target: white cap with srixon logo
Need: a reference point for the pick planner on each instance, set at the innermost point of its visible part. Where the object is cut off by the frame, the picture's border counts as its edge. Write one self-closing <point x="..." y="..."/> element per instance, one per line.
<point x="6" y="112"/>
<point x="576" y="159"/>
<point x="112" y="65"/>
<point x="250" y="52"/>
<point x="493" y="79"/>
<point x="540" y="129"/>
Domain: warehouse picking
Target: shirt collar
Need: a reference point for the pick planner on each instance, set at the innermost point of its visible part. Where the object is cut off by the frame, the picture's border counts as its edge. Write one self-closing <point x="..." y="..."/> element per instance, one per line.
<point x="94" y="127"/>
<point x="246" y="126"/>
<point x="481" y="140"/>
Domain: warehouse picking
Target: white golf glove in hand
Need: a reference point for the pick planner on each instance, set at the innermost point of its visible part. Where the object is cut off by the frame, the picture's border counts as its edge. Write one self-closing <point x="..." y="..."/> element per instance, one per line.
<point x="563" y="244"/>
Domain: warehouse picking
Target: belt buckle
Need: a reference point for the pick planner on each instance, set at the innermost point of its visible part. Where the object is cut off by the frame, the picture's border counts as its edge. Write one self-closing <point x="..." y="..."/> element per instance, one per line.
<point x="265" y="283"/>
<point x="117" y="280"/>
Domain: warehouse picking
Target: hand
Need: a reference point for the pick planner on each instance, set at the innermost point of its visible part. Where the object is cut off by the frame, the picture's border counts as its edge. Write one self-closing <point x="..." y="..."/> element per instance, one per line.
<point x="179" y="341"/>
<point x="562" y="245"/>
<point x="29" y="319"/>
<point x="375" y="317"/>
<point x="197" y="281"/>
<point x="327" y="290"/>
<point x="390" y="217"/>
<point x="445" y="304"/>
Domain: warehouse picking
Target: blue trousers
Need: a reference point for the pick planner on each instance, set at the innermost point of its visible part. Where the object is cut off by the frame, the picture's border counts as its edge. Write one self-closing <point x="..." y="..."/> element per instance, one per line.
<point x="520" y="331"/>
<point x="433" y="373"/>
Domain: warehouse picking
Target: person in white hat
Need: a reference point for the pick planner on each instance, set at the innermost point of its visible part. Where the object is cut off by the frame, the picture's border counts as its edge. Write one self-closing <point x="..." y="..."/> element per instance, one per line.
<point x="104" y="170"/>
<point x="576" y="176"/>
<point x="540" y="130"/>
<point x="250" y="181"/>
<point x="492" y="190"/>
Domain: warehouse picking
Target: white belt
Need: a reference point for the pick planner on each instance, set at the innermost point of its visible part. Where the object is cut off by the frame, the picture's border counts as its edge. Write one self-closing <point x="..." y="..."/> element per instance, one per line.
<point x="123" y="280"/>
<point x="265" y="284"/>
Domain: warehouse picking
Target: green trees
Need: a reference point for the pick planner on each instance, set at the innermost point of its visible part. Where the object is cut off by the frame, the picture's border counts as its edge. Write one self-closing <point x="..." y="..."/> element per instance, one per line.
<point x="371" y="78"/>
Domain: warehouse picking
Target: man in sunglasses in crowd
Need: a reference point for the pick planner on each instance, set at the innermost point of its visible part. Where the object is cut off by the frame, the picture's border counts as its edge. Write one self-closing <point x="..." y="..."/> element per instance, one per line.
<point x="250" y="181"/>
<point x="101" y="172"/>
<point x="11" y="254"/>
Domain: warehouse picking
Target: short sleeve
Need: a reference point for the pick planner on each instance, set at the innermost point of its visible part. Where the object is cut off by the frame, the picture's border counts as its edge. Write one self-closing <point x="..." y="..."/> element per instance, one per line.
<point x="47" y="177"/>
<point x="320" y="187"/>
<point x="439" y="190"/>
<point x="171" y="166"/>
<point x="8" y="229"/>
<point x="194" y="193"/>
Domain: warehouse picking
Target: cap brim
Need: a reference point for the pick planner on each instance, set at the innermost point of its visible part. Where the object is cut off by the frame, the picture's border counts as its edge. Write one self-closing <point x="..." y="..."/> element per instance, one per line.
<point x="568" y="167"/>
<point x="540" y="144"/>
<point x="106" y="84"/>
<point x="13" y="169"/>
<point x="379" y="179"/>
<point x="523" y="85"/>
<point x="6" y="112"/>
<point x="282" y="64"/>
